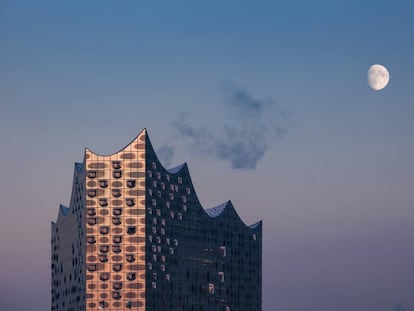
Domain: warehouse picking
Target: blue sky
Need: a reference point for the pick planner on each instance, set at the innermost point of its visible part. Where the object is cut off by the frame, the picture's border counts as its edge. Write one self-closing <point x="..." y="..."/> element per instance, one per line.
<point x="335" y="190"/>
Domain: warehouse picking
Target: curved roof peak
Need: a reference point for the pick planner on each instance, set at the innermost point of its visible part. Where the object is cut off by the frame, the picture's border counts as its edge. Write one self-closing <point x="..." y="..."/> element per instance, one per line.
<point x="136" y="138"/>
<point x="176" y="169"/>
<point x="217" y="210"/>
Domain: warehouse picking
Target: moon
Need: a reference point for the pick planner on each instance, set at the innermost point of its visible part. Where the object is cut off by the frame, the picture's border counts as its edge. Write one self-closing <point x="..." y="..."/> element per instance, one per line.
<point x="378" y="77"/>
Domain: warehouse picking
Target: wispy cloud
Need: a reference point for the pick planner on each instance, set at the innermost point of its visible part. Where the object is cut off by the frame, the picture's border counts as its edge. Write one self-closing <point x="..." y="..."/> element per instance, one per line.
<point x="166" y="154"/>
<point x="398" y="307"/>
<point x="250" y="127"/>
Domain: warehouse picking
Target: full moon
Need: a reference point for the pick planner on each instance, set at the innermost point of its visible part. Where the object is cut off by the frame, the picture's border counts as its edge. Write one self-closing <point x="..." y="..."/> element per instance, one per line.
<point x="378" y="77"/>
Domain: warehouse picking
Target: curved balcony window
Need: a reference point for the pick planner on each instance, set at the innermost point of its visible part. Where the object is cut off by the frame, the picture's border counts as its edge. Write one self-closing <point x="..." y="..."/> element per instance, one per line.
<point x="117" y="286"/>
<point x="91" y="174"/>
<point x="116" y="193"/>
<point x="130" y="257"/>
<point x="154" y="184"/>
<point x="149" y="265"/>
<point x="154" y="165"/>
<point x="103" y="183"/>
<point x="116" y="249"/>
<point x="91" y="221"/>
<point x="116" y="165"/>
<point x="104" y="230"/>
<point x="131" y="230"/>
<point x="149" y="210"/>
<point x="158" y="175"/>
<point x="117" y="174"/>
<point x="149" y="174"/>
<point x="104" y="276"/>
<point x="116" y="295"/>
<point x="128" y="305"/>
<point x="117" y="211"/>
<point x="131" y="276"/>
<point x="103" y="258"/>
<point x="91" y="193"/>
<point x="117" y="239"/>
<point x="91" y="239"/>
<point x="103" y="248"/>
<point x="150" y="192"/>
<point x="154" y="202"/>
<point x="131" y="183"/>
<point x="171" y="196"/>
<point x="184" y="207"/>
<point x="117" y="267"/>
<point x="102" y="304"/>
<point x="103" y="202"/>
<point x="184" y="199"/>
<point x="162" y="186"/>
<point x="116" y="220"/>
<point x="91" y="212"/>
<point x="162" y="268"/>
<point x="180" y="180"/>
<point x="130" y="202"/>
<point x="92" y="267"/>
<point x="158" y="239"/>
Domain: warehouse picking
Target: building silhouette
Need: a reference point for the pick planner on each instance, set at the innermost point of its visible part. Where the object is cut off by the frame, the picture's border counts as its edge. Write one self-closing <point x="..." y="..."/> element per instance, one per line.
<point x="135" y="237"/>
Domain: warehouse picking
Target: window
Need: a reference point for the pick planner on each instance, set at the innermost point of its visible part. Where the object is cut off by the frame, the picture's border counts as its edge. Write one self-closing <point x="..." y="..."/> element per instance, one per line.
<point x="131" y="230"/>
<point x="159" y="194"/>
<point x="211" y="289"/>
<point x="91" y="221"/>
<point x="154" y="221"/>
<point x="117" y="211"/>
<point x="116" y="220"/>
<point x="158" y="239"/>
<point x="150" y="238"/>
<point x="154" y="285"/>
<point x="167" y="177"/>
<point x="221" y="276"/>
<point x="158" y="175"/>
<point x="131" y="276"/>
<point x="103" y="248"/>
<point x="102" y="304"/>
<point x="167" y="204"/>
<point x="117" y="174"/>
<point x="117" y="286"/>
<point x="154" y="276"/>
<point x="227" y="308"/>
<point x="171" y="251"/>
<point x="117" y="267"/>
<point x="254" y="237"/>
<point x="103" y="202"/>
<point x="116" y="165"/>
<point x="163" y="222"/>
<point x="180" y="180"/>
<point x="149" y="174"/>
<point x="91" y="239"/>
<point x="167" y="277"/>
<point x="154" y="202"/>
<point x="184" y="207"/>
<point x="149" y="265"/>
<point x="92" y="267"/>
<point x="103" y="183"/>
<point x="154" y="184"/>
<point x="163" y="268"/>
<point x="149" y="210"/>
<point x="162" y="186"/>
<point x="91" y="193"/>
<point x="159" y="249"/>
<point x="171" y="196"/>
<point x="158" y="212"/>
<point x="180" y="216"/>
<point x="131" y="183"/>
<point x="162" y="230"/>
<point x="104" y="276"/>
<point x="116" y="295"/>
<point x="130" y="202"/>
<point x="150" y="192"/>
<point x="116" y="193"/>
<point x="117" y="239"/>
<point x="128" y="304"/>
<point x="154" y="257"/>
<point x="163" y="258"/>
<point x="103" y="258"/>
<point x="91" y="212"/>
<point x="175" y="242"/>
<point x="187" y="190"/>
<point x="154" y="165"/>
<point x="130" y="257"/>
<point x="116" y="249"/>
<point x="167" y="240"/>
<point x="172" y="215"/>
<point x="91" y="174"/>
<point x="154" y="230"/>
<point x="223" y="251"/>
<point x="104" y="230"/>
<point x="154" y="248"/>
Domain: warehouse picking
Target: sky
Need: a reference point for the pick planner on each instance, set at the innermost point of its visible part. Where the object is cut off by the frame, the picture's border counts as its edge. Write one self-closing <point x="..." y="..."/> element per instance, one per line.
<point x="267" y="102"/>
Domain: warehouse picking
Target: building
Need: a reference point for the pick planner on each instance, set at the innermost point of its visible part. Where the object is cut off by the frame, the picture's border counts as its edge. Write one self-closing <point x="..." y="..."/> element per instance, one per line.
<point x="136" y="237"/>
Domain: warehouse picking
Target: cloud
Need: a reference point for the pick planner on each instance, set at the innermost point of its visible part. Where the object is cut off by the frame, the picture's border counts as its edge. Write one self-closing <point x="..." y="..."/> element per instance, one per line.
<point x="251" y="126"/>
<point x="398" y="307"/>
<point x="166" y="154"/>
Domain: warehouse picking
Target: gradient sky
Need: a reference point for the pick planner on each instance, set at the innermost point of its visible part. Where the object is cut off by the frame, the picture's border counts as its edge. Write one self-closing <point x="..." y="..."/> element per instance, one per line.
<point x="335" y="190"/>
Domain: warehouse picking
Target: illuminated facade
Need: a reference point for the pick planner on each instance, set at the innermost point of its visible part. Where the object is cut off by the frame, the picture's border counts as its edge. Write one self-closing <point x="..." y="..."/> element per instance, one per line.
<point x="135" y="237"/>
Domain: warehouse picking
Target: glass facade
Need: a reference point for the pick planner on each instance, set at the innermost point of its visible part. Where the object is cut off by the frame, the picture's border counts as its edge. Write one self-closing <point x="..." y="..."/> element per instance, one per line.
<point x="136" y="237"/>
